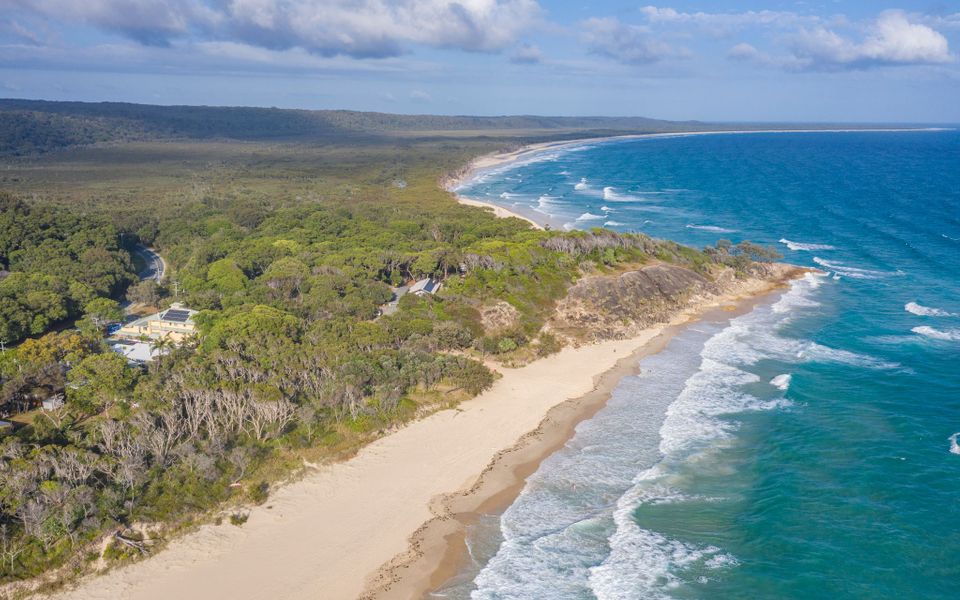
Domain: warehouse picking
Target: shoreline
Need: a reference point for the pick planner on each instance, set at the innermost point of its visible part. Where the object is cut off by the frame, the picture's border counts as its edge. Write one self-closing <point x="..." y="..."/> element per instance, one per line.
<point x="437" y="551"/>
<point x="351" y="529"/>
<point x="487" y="162"/>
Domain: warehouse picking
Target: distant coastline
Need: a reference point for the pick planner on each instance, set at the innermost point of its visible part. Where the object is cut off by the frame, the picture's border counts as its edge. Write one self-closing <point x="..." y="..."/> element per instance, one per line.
<point x="494" y="160"/>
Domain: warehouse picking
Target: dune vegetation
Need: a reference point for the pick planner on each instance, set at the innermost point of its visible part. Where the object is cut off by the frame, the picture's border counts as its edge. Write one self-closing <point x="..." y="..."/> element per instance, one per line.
<point x="288" y="249"/>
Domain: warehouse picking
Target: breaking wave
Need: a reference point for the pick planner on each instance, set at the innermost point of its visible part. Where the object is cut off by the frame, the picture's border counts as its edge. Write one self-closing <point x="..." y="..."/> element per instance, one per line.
<point x="589" y="217"/>
<point x="712" y="228"/>
<point x="853" y="272"/>
<point x="954" y="447"/>
<point x="949" y="335"/>
<point x="926" y="311"/>
<point x="781" y="382"/>
<point x="807" y="247"/>
<point x="647" y="564"/>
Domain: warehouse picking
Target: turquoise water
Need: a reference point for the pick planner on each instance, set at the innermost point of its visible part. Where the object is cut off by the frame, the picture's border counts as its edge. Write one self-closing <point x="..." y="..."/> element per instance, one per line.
<point x="803" y="450"/>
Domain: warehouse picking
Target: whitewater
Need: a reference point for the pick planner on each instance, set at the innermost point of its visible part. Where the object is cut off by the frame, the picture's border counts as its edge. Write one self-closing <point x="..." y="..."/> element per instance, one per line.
<point x="806" y="449"/>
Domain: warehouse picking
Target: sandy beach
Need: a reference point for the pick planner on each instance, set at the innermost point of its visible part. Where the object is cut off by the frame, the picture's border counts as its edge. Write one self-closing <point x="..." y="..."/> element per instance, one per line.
<point x="351" y="529"/>
<point x="388" y="523"/>
<point x="324" y="536"/>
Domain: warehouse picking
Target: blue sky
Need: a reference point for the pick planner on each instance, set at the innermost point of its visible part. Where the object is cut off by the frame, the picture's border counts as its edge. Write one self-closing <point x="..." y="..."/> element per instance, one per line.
<point x="749" y="61"/>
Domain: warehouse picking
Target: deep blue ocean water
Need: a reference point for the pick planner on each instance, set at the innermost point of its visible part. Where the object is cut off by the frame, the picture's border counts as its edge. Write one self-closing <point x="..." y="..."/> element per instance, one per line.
<point x="802" y="450"/>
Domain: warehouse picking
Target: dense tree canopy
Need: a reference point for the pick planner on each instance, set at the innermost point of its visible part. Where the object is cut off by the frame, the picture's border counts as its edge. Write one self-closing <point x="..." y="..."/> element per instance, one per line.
<point x="290" y="272"/>
<point x="58" y="264"/>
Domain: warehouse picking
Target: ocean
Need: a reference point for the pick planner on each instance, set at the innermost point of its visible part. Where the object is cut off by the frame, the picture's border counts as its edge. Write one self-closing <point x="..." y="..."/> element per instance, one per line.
<point x="804" y="450"/>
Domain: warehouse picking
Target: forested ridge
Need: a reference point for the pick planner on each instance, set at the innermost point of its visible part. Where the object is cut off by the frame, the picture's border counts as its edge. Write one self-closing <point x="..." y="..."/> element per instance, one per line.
<point x="36" y="126"/>
<point x="288" y="251"/>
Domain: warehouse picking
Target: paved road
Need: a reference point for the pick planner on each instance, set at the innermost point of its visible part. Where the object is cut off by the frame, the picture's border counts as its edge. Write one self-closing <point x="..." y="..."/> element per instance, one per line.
<point x="391" y="307"/>
<point x="155" y="265"/>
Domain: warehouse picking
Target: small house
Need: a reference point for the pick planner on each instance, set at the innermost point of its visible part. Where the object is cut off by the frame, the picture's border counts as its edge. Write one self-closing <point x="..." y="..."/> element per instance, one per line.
<point x="426" y="287"/>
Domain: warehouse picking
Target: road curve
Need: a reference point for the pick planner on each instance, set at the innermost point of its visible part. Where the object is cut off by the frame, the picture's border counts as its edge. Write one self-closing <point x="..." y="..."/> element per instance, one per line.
<point x="155" y="264"/>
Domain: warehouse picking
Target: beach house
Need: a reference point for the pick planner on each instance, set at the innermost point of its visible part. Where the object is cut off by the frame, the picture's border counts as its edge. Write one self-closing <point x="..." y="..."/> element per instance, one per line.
<point x="426" y="287"/>
<point x="175" y="323"/>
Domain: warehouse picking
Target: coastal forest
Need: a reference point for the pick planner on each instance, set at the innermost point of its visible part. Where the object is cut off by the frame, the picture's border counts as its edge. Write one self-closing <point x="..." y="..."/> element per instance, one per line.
<point x="289" y="231"/>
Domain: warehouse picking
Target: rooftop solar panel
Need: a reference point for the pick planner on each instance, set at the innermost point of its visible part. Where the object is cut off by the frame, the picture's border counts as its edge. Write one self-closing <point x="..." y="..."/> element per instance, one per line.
<point x="179" y="316"/>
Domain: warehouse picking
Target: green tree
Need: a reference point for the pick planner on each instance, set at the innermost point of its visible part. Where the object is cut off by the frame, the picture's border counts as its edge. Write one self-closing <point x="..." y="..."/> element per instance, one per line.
<point x="103" y="311"/>
<point x="226" y="277"/>
<point x="99" y="381"/>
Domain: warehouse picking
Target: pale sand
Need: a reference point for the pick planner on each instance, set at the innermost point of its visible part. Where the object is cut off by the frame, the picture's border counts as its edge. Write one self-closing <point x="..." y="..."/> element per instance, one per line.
<point x="352" y="528"/>
<point x="437" y="550"/>
<point x="327" y="535"/>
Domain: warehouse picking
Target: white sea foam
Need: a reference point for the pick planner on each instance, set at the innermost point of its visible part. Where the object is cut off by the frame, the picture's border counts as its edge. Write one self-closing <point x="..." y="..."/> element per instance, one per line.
<point x="611" y="194"/>
<point x="644" y="563"/>
<point x="607" y="209"/>
<point x="582" y="185"/>
<point x="508" y="195"/>
<point x="799" y="294"/>
<point x="545" y="204"/>
<point x="926" y="311"/>
<point x="806" y="247"/>
<point x="563" y="539"/>
<point x="954" y="447"/>
<point x="781" y="382"/>
<point x="949" y="335"/>
<point x="589" y="217"/>
<point x="853" y="272"/>
<point x="613" y="224"/>
<point x="712" y="228"/>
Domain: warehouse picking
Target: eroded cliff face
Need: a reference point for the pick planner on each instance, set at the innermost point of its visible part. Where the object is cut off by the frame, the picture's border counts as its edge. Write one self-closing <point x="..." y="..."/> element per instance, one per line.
<point x="604" y="307"/>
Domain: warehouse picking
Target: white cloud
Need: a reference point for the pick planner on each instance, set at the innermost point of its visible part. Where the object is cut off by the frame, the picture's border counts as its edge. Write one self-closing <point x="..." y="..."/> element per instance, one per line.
<point x="420" y="96"/>
<point x="743" y="51"/>
<point x="892" y="39"/>
<point x="724" y="23"/>
<point x="150" y="22"/>
<point x="629" y="44"/>
<point x="527" y="55"/>
<point x="359" y="28"/>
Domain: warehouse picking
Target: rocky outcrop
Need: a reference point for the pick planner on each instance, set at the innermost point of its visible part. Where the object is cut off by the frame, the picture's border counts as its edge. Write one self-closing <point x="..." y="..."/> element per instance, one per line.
<point x="604" y="307"/>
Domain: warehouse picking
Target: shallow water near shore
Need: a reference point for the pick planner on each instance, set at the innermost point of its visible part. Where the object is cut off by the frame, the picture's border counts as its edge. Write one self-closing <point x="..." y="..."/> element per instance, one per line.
<point x="803" y="450"/>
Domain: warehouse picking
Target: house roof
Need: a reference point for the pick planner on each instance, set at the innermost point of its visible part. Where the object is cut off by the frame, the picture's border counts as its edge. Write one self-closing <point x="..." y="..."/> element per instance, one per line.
<point x="428" y="286"/>
<point x="138" y="352"/>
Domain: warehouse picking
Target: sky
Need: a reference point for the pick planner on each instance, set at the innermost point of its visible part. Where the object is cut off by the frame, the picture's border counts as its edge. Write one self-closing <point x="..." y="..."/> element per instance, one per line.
<point x="835" y="61"/>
